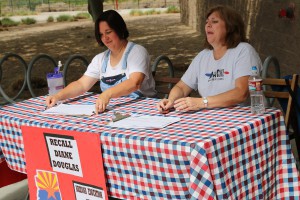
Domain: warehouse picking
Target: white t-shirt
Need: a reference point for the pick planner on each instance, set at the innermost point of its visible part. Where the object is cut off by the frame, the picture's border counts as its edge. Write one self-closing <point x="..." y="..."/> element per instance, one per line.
<point x="211" y="77"/>
<point x="138" y="61"/>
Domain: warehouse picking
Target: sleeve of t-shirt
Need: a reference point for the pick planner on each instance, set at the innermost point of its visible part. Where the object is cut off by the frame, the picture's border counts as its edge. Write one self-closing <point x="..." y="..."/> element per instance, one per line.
<point x="138" y="61"/>
<point x="94" y="68"/>
<point x="190" y="77"/>
<point x="246" y="58"/>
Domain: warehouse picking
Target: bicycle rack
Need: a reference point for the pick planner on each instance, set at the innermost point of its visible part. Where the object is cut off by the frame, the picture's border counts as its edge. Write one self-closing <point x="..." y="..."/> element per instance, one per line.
<point x="72" y="58"/>
<point x="170" y="68"/>
<point x="6" y="57"/>
<point x="266" y="65"/>
<point x="69" y="61"/>
<point x="30" y="66"/>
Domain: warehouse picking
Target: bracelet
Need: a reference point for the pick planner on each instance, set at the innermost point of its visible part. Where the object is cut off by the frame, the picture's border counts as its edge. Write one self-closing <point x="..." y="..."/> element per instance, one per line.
<point x="205" y="102"/>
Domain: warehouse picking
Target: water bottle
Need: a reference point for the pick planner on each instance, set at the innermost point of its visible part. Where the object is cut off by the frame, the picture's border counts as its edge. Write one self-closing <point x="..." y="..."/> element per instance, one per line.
<point x="55" y="80"/>
<point x="256" y="92"/>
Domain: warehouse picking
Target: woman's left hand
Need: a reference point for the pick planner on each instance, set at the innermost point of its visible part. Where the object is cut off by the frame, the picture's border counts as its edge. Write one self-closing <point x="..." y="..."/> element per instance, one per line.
<point x="101" y="103"/>
<point x="187" y="104"/>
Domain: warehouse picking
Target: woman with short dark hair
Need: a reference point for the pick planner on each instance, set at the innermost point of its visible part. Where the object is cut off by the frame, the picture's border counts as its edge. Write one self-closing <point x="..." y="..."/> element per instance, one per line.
<point x="123" y="69"/>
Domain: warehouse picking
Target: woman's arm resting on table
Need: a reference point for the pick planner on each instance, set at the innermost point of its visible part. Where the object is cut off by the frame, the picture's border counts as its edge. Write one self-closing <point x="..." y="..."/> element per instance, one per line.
<point x="74" y="89"/>
<point x="232" y="97"/>
<point x="229" y="98"/>
<point x="125" y="88"/>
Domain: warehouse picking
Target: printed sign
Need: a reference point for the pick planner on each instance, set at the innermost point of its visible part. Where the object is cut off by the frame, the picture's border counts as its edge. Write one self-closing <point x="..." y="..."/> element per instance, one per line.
<point x="63" y="153"/>
<point x="84" y="191"/>
<point x="64" y="164"/>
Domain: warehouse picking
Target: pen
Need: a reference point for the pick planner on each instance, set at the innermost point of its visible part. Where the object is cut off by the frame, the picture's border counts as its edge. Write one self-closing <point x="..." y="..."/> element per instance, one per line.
<point x="46" y="107"/>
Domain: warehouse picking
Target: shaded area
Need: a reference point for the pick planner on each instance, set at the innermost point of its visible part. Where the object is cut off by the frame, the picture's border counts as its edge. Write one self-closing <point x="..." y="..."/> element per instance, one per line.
<point x="160" y="34"/>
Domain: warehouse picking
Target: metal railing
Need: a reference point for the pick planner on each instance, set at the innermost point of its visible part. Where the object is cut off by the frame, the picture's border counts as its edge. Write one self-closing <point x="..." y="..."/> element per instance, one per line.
<point x="27" y="82"/>
<point x="35" y="65"/>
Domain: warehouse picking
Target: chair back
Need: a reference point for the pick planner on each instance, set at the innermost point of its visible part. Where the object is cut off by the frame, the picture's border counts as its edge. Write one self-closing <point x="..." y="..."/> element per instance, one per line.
<point x="280" y="88"/>
<point x="163" y="85"/>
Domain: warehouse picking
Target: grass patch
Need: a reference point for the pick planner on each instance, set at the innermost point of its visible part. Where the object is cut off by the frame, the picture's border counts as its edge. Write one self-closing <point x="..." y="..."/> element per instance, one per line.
<point x="19" y="13"/>
<point x="136" y="12"/>
<point x="173" y="9"/>
<point x="28" y="21"/>
<point x="170" y="9"/>
<point x="65" y="18"/>
<point x="151" y="12"/>
<point x="7" y="22"/>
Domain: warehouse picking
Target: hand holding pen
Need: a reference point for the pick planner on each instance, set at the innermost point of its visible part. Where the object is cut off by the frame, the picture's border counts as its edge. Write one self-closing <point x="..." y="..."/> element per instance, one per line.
<point x="164" y="106"/>
<point x="51" y="101"/>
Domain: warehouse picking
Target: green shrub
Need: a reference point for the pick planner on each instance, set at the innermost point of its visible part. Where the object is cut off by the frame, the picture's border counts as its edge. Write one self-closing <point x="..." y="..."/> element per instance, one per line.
<point x="65" y="18"/>
<point x="50" y="19"/>
<point x="28" y="21"/>
<point x="173" y="9"/>
<point x="151" y="12"/>
<point x="136" y="12"/>
<point x="83" y="15"/>
<point x="6" y="22"/>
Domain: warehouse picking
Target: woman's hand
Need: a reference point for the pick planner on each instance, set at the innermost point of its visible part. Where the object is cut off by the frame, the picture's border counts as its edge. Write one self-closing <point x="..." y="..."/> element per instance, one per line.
<point x="165" y="105"/>
<point x="102" y="102"/>
<point x="187" y="104"/>
<point x="51" y="101"/>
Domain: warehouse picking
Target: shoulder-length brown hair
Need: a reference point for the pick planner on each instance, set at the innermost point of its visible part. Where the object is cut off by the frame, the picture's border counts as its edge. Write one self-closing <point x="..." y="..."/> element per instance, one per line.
<point x="235" y="28"/>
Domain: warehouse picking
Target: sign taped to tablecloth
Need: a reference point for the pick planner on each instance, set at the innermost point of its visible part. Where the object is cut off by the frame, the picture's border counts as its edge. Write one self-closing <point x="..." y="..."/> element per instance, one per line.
<point x="64" y="164"/>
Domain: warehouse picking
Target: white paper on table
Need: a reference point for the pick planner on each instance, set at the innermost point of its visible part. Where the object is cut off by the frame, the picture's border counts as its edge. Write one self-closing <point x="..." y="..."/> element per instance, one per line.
<point x="144" y="122"/>
<point x="76" y="109"/>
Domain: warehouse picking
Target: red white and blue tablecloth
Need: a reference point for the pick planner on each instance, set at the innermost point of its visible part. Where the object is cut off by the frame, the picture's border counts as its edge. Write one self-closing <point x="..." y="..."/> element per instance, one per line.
<point x="225" y="153"/>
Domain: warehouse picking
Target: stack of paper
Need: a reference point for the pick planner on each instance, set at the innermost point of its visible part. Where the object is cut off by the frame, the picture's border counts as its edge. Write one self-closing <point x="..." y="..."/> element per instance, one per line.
<point x="144" y="122"/>
<point x="63" y="109"/>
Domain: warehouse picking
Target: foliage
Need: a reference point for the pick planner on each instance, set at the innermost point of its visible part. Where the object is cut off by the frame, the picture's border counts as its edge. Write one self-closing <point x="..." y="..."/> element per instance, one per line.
<point x="83" y="15"/>
<point x="65" y="18"/>
<point x="50" y="19"/>
<point x="33" y="3"/>
<point x="173" y="9"/>
<point x="7" y="22"/>
<point x="136" y="12"/>
<point x="28" y="21"/>
<point x="151" y="12"/>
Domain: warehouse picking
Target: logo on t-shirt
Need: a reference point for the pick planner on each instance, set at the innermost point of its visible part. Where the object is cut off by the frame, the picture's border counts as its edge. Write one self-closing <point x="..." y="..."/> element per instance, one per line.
<point x="217" y="75"/>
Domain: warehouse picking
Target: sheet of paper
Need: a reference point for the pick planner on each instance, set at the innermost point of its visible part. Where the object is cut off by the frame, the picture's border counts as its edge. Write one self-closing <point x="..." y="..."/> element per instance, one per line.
<point x="77" y="109"/>
<point x="144" y="122"/>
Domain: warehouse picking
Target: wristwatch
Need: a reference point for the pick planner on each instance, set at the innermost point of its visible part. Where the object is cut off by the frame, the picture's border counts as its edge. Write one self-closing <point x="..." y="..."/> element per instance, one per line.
<point x="205" y="102"/>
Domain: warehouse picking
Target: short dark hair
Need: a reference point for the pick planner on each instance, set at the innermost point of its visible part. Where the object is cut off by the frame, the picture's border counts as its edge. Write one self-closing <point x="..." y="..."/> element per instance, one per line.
<point x="235" y="27"/>
<point x="114" y="21"/>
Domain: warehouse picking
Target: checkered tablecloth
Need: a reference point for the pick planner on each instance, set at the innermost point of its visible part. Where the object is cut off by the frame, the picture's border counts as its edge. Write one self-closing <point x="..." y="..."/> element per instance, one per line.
<point x="225" y="153"/>
<point x="1" y="156"/>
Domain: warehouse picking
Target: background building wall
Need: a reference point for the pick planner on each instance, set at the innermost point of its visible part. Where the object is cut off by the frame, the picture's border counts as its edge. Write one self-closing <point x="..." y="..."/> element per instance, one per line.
<point x="269" y="32"/>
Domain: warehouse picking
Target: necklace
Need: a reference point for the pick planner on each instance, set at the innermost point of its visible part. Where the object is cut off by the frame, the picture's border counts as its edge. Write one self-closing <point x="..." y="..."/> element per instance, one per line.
<point x="116" y="57"/>
<point x="120" y="51"/>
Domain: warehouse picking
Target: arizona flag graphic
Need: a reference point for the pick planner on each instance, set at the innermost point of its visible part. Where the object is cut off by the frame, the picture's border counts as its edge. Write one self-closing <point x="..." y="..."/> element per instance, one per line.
<point x="47" y="185"/>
